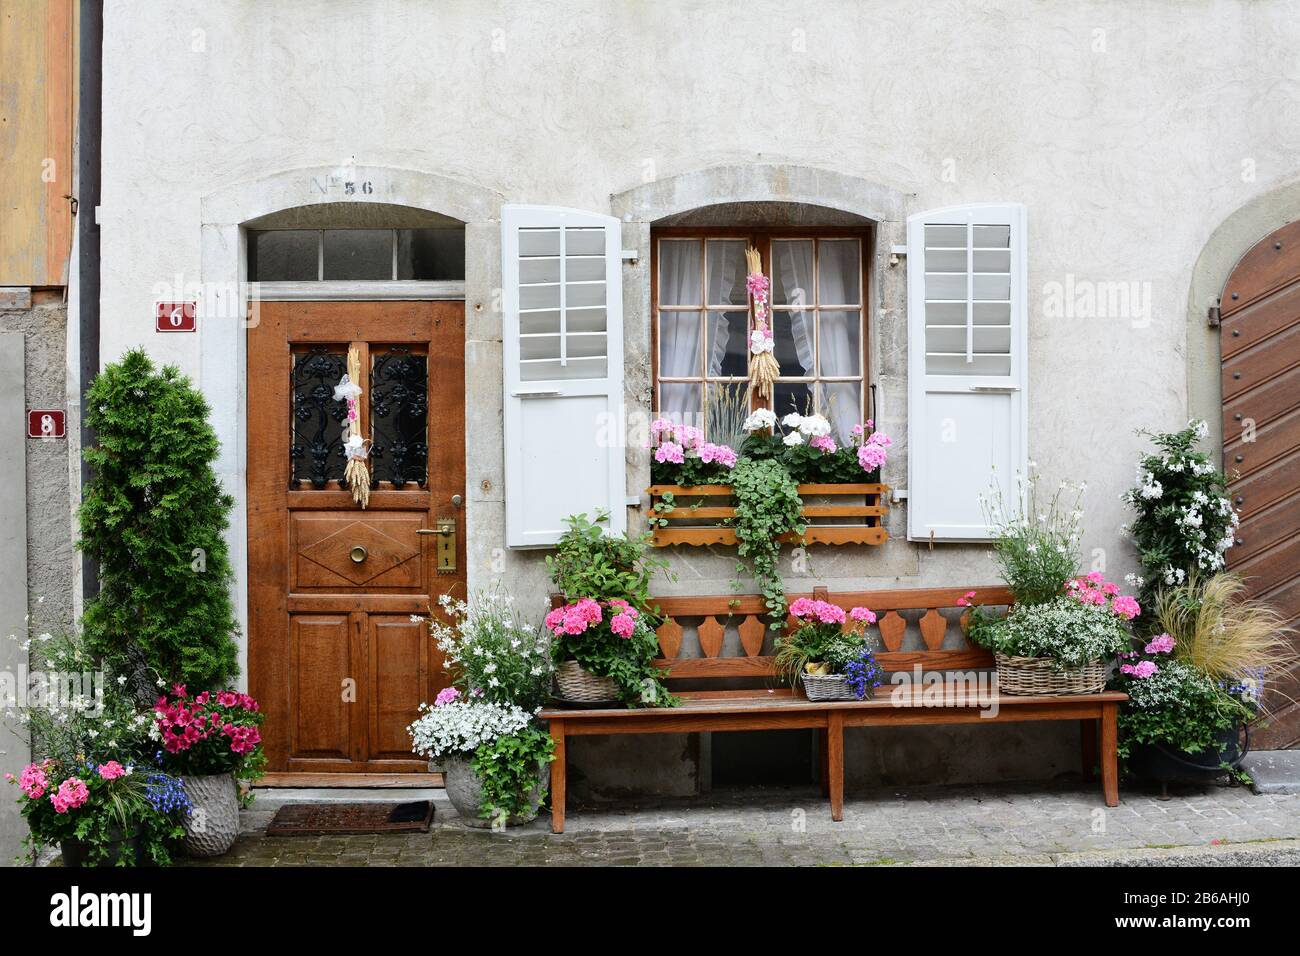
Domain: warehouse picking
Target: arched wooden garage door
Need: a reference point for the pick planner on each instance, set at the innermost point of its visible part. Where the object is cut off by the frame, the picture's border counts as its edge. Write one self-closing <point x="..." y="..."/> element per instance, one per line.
<point x="1260" y="338"/>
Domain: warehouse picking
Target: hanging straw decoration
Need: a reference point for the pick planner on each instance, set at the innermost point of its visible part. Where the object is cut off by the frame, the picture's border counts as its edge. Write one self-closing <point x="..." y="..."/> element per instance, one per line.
<point x="355" y="474"/>
<point x="763" y="368"/>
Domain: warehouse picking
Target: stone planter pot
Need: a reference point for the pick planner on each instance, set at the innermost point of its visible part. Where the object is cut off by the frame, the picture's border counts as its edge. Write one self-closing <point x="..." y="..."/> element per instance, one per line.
<point x="213" y="823"/>
<point x="465" y="791"/>
<point x="120" y="846"/>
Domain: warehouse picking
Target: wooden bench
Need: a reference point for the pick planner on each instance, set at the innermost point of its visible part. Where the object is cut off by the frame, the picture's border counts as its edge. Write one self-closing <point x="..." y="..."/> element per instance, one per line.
<point x="713" y="639"/>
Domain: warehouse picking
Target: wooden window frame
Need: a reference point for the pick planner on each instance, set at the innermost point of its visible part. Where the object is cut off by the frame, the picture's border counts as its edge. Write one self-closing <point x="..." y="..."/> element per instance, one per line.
<point x="761" y="239"/>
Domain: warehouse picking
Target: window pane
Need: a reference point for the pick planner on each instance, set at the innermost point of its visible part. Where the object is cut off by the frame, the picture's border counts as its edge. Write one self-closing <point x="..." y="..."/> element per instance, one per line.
<point x="431" y="255"/>
<point x="727" y="351"/>
<point x="679" y="272"/>
<point x="316" y="454"/>
<point x="726" y="263"/>
<point x="792" y="272"/>
<point x="839" y="272"/>
<point x="792" y="397"/>
<point x="679" y="345"/>
<point x="358" y="253"/>
<point x="283" y="256"/>
<point x="839" y="343"/>
<point x="794" y="342"/>
<point x="841" y="402"/>
<point x="680" y="402"/>
<point x="399" y="417"/>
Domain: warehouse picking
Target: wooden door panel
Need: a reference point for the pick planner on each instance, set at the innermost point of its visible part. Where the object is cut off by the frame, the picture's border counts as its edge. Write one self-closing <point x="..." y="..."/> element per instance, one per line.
<point x="320" y="621"/>
<point x="398" y="683"/>
<point x="327" y="546"/>
<point x="321" y="671"/>
<point x="1260" y="338"/>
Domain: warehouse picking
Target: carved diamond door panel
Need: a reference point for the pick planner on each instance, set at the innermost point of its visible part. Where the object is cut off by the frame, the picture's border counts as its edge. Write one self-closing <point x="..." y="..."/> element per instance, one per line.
<point x="334" y="656"/>
<point x="334" y="550"/>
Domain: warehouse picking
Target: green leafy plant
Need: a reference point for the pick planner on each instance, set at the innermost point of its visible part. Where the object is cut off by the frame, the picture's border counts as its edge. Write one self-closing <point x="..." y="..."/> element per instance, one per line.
<point x="589" y="562"/>
<point x="1037" y="541"/>
<point x="508" y="768"/>
<point x="767" y="506"/>
<point x="152" y="516"/>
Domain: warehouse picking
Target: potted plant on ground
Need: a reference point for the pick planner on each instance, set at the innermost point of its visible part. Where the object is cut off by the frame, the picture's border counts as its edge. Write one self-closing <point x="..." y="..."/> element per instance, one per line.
<point x="495" y="758"/>
<point x="499" y="664"/>
<point x="100" y="814"/>
<point x="211" y="740"/>
<point x="828" y="651"/>
<point x="1195" y="686"/>
<point x="96" y="791"/>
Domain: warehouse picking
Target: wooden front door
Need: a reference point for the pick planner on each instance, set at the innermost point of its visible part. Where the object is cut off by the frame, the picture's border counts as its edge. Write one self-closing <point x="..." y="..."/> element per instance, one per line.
<point x="1260" y="345"/>
<point x="334" y="657"/>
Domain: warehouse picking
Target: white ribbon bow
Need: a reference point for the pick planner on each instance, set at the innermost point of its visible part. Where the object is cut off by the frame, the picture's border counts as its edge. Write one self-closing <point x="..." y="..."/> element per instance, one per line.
<point x="345" y="389"/>
<point x="356" y="447"/>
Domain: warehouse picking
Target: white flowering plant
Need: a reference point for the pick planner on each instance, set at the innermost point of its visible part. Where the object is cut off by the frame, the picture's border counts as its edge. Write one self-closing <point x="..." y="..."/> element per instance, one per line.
<point x="809" y="451"/>
<point x="488" y="646"/>
<point x="1185" y="522"/>
<point x="1037" y="538"/>
<point x="457" y="724"/>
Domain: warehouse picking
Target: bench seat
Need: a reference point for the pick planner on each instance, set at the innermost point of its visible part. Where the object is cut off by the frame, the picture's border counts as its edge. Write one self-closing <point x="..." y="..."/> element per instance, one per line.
<point x="776" y="708"/>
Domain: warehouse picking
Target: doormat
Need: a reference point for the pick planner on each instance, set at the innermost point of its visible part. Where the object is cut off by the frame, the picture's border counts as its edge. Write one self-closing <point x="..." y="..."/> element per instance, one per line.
<point x="315" y="819"/>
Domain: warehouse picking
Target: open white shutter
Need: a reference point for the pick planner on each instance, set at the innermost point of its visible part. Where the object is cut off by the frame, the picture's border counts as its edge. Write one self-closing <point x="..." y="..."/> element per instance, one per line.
<point x="563" y="353"/>
<point x="966" y="323"/>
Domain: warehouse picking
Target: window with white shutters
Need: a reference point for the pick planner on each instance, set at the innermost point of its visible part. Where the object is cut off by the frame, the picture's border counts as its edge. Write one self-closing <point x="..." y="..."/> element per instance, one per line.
<point x="967" y="425"/>
<point x="563" y="356"/>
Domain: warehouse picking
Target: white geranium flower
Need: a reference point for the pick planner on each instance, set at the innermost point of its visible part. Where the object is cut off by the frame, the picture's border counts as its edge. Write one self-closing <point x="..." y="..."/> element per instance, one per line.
<point x="814" y="426"/>
<point x="762" y="418"/>
<point x="792" y="420"/>
<point x="792" y="439"/>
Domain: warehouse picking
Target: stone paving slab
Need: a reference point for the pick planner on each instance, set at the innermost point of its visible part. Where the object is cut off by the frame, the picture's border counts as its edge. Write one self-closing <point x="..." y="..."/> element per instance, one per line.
<point x="1274" y="771"/>
<point x="1020" y="825"/>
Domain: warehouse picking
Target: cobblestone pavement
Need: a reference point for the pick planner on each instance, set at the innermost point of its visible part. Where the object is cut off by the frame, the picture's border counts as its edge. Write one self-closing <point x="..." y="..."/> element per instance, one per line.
<point x="1007" y="824"/>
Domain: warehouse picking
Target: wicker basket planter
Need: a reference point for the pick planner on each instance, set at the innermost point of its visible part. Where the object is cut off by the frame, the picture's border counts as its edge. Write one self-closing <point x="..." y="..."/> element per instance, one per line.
<point x="577" y="684"/>
<point x="830" y="687"/>
<point x="1038" y="676"/>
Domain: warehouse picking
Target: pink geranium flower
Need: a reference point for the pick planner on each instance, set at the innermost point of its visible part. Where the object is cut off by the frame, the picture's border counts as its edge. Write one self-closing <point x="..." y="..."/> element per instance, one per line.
<point x="1161" y="644"/>
<point x="72" y="793"/>
<point x="966" y="599"/>
<point x="871" y="457"/>
<point x="824" y="443"/>
<point x="622" y="625"/>
<point x="865" y="615"/>
<point x="670" y="453"/>
<point x="1144" y="669"/>
<point x="111" y="770"/>
<point x="33" y="781"/>
<point x="1126" y="607"/>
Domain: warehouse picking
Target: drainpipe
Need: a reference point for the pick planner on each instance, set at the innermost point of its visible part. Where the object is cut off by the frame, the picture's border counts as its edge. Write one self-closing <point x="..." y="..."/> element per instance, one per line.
<point x="90" y="78"/>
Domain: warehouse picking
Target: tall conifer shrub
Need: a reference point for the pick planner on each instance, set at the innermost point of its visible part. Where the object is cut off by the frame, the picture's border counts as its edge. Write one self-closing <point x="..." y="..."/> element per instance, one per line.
<point x="153" y="517"/>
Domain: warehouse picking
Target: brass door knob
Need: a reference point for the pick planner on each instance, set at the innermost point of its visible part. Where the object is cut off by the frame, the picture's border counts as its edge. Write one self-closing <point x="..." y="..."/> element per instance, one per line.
<point x="358" y="554"/>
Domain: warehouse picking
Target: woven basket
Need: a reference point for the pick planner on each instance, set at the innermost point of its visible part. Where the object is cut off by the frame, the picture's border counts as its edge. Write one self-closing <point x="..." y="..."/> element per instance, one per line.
<point x="830" y="687"/>
<point x="1038" y="676"/>
<point x="581" y="685"/>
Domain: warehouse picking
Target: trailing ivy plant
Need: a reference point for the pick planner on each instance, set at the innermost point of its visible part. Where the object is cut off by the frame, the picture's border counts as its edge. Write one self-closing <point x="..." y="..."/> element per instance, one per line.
<point x="153" y="516"/>
<point x="508" y="767"/>
<point x="767" y="506"/>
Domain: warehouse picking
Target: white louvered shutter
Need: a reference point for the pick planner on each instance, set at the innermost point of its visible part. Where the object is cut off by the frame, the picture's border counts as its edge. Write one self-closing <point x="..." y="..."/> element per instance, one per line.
<point x="563" y="353"/>
<point x="966" y="309"/>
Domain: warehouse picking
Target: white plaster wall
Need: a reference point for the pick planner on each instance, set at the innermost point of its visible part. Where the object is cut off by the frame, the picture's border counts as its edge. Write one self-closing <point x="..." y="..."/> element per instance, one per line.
<point x="1130" y="131"/>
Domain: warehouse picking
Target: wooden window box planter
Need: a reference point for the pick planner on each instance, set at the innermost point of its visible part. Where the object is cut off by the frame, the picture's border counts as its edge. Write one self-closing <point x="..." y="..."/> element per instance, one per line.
<point x="835" y="514"/>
